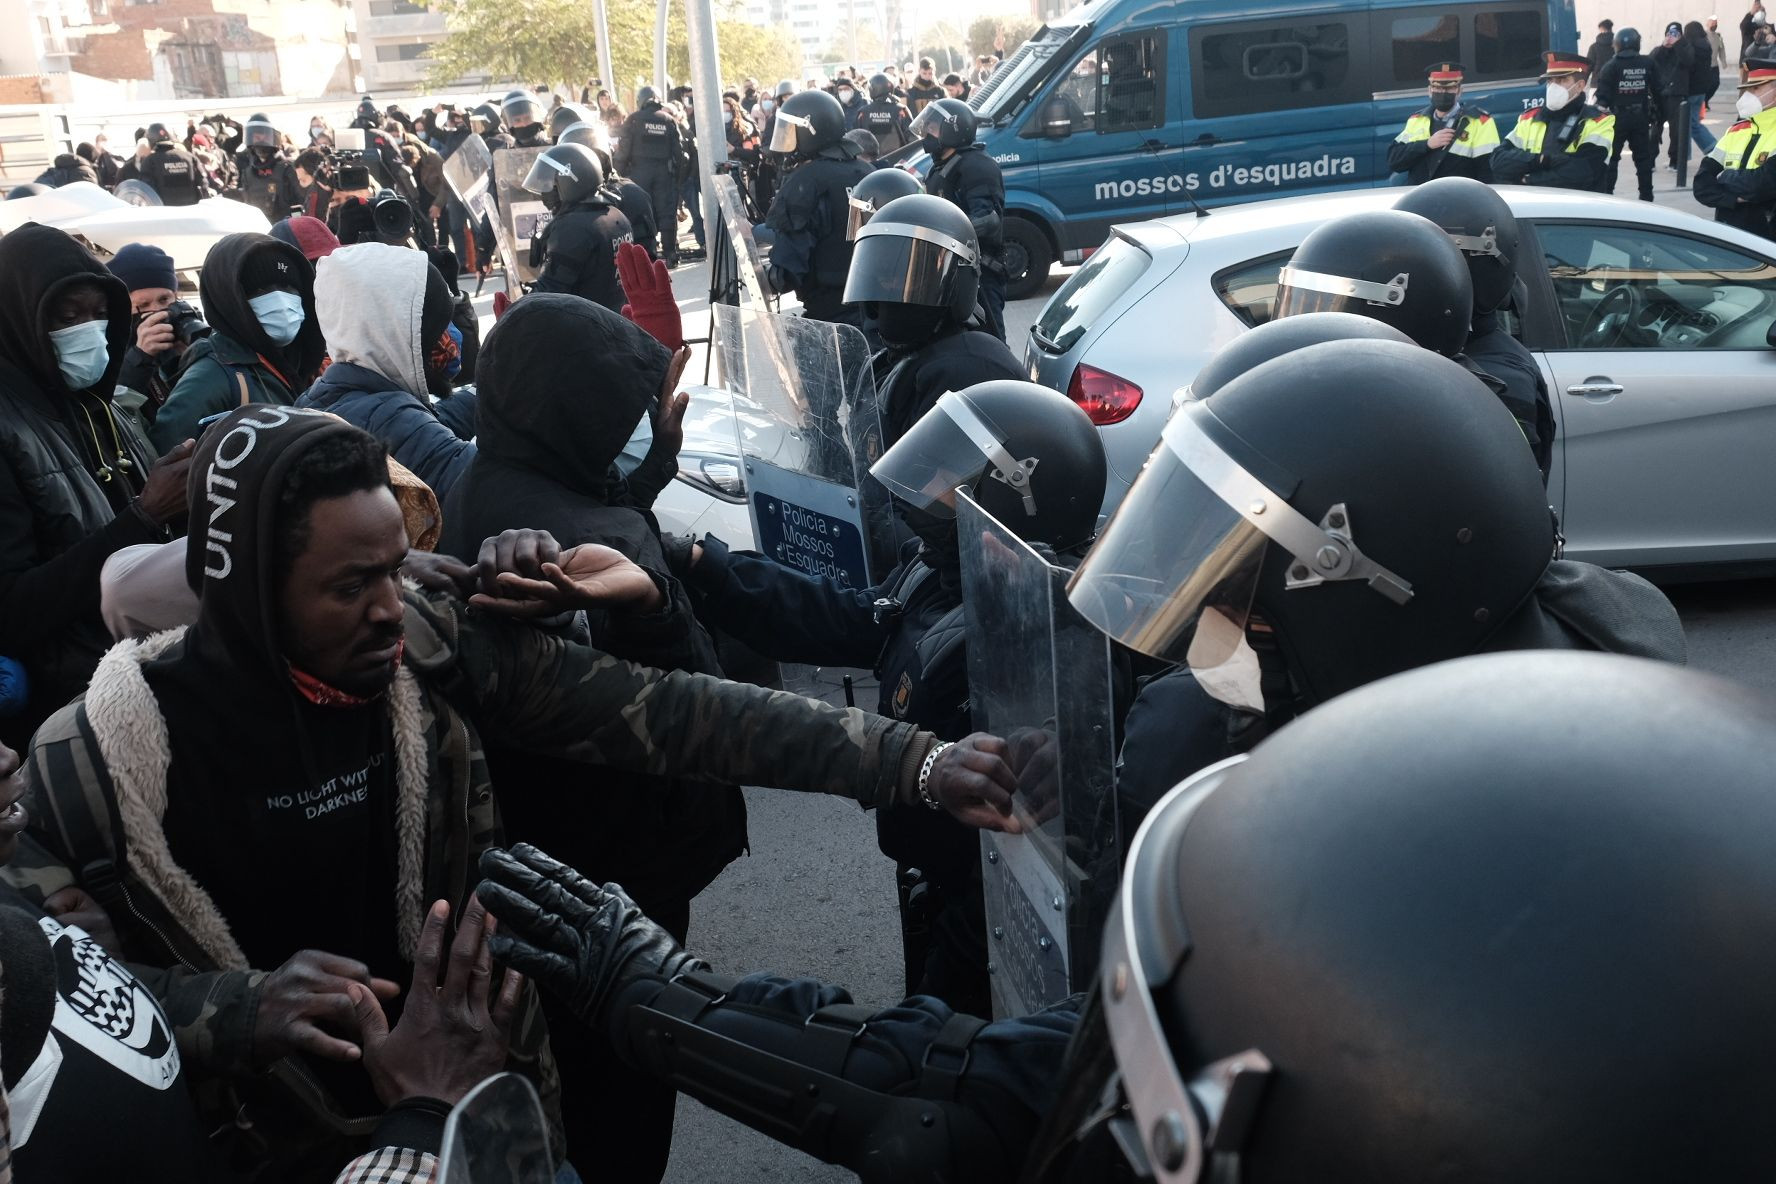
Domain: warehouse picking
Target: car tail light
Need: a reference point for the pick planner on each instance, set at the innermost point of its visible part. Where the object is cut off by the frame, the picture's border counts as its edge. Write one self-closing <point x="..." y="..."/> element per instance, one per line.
<point x="1106" y="397"/>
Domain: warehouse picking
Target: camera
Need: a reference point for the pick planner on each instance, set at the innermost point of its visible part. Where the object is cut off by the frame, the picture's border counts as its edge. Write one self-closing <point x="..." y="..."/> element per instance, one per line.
<point x="188" y="324"/>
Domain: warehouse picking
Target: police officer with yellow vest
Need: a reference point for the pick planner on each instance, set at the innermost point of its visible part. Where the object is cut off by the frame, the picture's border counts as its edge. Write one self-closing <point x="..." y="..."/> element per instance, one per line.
<point x="1446" y="139"/>
<point x="1738" y="179"/>
<point x="1565" y="143"/>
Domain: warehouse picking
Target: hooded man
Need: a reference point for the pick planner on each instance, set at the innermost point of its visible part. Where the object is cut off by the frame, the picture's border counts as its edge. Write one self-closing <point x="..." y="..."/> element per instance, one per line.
<point x="301" y="770"/>
<point x="385" y="313"/>
<point x="565" y="385"/>
<point x="67" y="169"/>
<point x="76" y="478"/>
<point x="265" y="343"/>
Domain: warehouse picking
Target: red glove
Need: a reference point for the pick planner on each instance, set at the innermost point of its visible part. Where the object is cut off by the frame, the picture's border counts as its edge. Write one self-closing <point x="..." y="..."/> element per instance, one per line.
<point x="501" y="302"/>
<point x="649" y="289"/>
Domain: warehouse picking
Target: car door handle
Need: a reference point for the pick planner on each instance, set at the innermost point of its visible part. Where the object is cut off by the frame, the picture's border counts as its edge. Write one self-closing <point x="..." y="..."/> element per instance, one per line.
<point x="1592" y="390"/>
<point x="1153" y="145"/>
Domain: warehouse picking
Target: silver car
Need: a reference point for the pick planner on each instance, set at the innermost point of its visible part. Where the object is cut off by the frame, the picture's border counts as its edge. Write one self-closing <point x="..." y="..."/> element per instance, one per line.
<point x="1653" y="328"/>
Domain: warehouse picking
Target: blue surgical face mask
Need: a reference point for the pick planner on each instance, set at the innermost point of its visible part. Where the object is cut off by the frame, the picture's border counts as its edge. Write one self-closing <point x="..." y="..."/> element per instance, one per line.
<point x="280" y="315"/>
<point x="82" y="353"/>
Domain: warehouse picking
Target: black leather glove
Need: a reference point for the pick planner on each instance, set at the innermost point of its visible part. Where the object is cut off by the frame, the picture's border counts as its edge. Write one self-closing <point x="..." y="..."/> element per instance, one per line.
<point x="678" y="553"/>
<point x="579" y="940"/>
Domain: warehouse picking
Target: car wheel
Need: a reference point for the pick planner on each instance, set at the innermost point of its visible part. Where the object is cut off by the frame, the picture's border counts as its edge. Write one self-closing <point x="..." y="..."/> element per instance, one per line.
<point x="1027" y="258"/>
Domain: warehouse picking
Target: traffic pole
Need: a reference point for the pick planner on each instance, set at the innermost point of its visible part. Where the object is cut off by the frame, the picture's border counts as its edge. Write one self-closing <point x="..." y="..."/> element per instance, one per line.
<point x="712" y="140"/>
<point x="1680" y="143"/>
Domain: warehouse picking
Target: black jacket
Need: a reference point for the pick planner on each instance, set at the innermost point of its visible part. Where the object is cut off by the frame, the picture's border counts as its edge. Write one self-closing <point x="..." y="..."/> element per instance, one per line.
<point x="579" y="253"/>
<point x="636" y="206"/>
<point x="808" y="217"/>
<point x="565" y="384"/>
<point x="1630" y="86"/>
<point x="972" y="180"/>
<point x="269" y="185"/>
<point x="910" y="382"/>
<point x="60" y="516"/>
<point x="1521" y="387"/>
<point x="174" y="173"/>
<point x="1603" y="48"/>
<point x="650" y="147"/>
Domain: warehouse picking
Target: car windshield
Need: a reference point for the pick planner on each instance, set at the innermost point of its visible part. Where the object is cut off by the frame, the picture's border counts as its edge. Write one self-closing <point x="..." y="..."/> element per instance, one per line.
<point x="1088" y="293"/>
<point x="1023" y="72"/>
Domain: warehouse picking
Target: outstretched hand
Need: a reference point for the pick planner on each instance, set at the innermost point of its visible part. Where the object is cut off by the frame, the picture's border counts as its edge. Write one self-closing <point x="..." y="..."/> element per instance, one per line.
<point x="972" y="780"/>
<point x="588" y="576"/>
<point x="647" y="286"/>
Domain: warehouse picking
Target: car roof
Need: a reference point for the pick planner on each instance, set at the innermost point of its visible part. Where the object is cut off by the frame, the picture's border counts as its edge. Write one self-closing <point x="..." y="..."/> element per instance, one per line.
<point x="1268" y="218"/>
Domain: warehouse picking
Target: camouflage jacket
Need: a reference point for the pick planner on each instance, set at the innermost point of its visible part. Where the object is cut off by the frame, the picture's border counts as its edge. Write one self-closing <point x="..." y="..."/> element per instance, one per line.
<point x="97" y="775"/>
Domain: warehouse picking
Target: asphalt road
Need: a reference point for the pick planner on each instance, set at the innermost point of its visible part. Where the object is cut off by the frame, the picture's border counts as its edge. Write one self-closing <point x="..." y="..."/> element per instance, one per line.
<point x="815" y="897"/>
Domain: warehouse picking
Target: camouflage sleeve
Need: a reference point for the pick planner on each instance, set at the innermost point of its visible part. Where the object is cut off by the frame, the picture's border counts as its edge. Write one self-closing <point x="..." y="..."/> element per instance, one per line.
<point x="534" y="689"/>
<point x="212" y="1014"/>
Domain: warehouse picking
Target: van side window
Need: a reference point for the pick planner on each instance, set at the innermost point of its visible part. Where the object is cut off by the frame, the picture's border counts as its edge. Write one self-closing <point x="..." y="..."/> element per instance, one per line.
<point x="1129" y="83"/>
<point x="1418" y="42"/>
<point x="1250" y="68"/>
<point x="1079" y="92"/>
<point x="1509" y="44"/>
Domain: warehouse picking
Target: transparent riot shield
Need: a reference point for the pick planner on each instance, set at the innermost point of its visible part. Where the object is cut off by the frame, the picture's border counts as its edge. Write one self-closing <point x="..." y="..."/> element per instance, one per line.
<point x="522" y="214"/>
<point x="497" y="1135"/>
<point x="806" y="441"/>
<point x="743" y="280"/>
<point x="469" y="173"/>
<point x="1040" y="676"/>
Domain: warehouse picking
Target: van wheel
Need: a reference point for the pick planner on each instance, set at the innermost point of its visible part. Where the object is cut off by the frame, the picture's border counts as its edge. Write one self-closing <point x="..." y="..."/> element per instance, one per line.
<point x="1027" y="258"/>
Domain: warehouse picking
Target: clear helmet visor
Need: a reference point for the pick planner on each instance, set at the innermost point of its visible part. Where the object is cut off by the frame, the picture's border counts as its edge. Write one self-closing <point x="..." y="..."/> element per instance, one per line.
<point x="904" y="265"/>
<point x="544" y="172"/>
<point x="953" y="445"/>
<point x="790" y="132"/>
<point x="261" y="135"/>
<point x="1301" y="291"/>
<point x="1173" y="551"/>
<point x="860" y="210"/>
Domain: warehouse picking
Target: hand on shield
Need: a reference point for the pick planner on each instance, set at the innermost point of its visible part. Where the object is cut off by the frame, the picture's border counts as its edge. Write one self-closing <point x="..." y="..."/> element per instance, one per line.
<point x="588" y="576"/>
<point x="975" y="784"/>
<point x="647" y="285"/>
<point x="1034" y="755"/>
<point x="453" y="1033"/>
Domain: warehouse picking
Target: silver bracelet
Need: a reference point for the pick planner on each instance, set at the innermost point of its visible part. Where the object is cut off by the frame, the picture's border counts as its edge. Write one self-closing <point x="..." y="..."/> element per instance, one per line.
<point x="931" y="803"/>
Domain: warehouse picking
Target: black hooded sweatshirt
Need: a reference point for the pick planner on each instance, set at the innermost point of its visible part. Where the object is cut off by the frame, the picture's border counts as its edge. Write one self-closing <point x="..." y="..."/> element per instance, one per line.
<point x="281" y="809"/>
<point x="60" y="517"/>
<point x="562" y="385"/>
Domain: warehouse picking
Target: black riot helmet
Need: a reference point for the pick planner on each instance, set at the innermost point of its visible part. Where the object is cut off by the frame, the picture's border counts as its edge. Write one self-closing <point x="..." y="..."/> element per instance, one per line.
<point x="565" y="175"/>
<point x="917" y="250"/>
<point x="486" y="117"/>
<point x="367" y="115"/>
<point x="950" y="122"/>
<point x="564" y="117"/>
<point x="1480" y="225"/>
<point x="875" y="191"/>
<point x="785" y="89"/>
<point x="807" y="122"/>
<point x="1273" y="339"/>
<point x="587" y="134"/>
<point x="1393" y="266"/>
<point x="645" y="96"/>
<point x="258" y="132"/>
<point x="1545" y="872"/>
<point x="159" y="133"/>
<point x="880" y="87"/>
<point x="1628" y="41"/>
<point x="520" y="109"/>
<point x="1030" y="456"/>
<point x="1370" y="501"/>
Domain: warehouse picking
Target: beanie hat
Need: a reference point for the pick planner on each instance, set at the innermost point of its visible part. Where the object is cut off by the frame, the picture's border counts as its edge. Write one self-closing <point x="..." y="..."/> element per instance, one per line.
<point x="142" y="265"/>
<point x="309" y="235"/>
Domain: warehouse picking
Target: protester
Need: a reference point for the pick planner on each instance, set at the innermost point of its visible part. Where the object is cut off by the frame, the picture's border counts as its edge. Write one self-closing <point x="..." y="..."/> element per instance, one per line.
<point x="308" y="235"/>
<point x="265" y="344"/>
<point x="163" y="344"/>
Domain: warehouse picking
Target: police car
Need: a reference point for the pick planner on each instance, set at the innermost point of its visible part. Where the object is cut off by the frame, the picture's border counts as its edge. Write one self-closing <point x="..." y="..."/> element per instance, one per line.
<point x="1655" y="331"/>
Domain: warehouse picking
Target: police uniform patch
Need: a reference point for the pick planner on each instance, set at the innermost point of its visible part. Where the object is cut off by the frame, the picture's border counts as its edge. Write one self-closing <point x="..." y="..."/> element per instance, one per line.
<point x="1761" y="158"/>
<point x="903" y="694"/>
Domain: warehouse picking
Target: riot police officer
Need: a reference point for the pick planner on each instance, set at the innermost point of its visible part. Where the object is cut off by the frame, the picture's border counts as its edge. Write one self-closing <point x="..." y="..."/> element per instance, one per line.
<point x="1738" y="179"/>
<point x="1628" y="87"/>
<point x="1447" y="139"/>
<point x="651" y="152"/>
<point x="577" y="250"/>
<point x="562" y="118"/>
<point x="1565" y="143"/>
<point x="523" y="117"/>
<point x="869" y="195"/>
<point x="809" y="251"/>
<point x="172" y="171"/>
<point x="1481" y="226"/>
<point x="884" y="117"/>
<point x="1443" y="911"/>
<point x="267" y="178"/>
<point x="962" y="172"/>
<point x="621" y="192"/>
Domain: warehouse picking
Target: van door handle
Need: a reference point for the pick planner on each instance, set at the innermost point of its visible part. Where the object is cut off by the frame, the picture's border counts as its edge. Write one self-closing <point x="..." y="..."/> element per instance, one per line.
<point x="1207" y="138"/>
<point x="1153" y="145"/>
<point x="1593" y="390"/>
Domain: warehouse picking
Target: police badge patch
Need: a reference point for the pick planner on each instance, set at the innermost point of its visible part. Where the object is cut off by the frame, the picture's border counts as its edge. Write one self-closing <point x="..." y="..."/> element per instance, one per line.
<point x="903" y="694"/>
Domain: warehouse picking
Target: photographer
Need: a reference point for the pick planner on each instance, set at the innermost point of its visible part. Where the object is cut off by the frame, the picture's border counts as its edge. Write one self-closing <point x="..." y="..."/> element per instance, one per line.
<point x="168" y="331"/>
<point x="314" y="180"/>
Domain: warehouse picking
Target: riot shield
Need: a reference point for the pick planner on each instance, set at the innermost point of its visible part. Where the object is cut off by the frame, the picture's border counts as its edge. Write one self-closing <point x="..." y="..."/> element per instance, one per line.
<point x="497" y="1135"/>
<point x="469" y="173"/>
<point x="137" y="193"/>
<point x="744" y="280"/>
<point x="810" y="434"/>
<point x="1039" y="675"/>
<point x="522" y="215"/>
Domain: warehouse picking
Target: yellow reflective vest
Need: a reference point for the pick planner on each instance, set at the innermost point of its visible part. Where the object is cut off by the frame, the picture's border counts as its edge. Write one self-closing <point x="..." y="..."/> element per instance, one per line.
<point x="1738" y="179"/>
<point x="1528" y="157"/>
<point x="1476" y="135"/>
<point x="1531" y="132"/>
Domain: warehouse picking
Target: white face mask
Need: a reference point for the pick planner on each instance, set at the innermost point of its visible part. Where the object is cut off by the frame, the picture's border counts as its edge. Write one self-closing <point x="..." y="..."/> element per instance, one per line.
<point x="845" y="95"/>
<point x="1557" y="95"/>
<point x="1236" y="681"/>
<point x="82" y="353"/>
<point x="1748" y="105"/>
<point x="280" y="315"/>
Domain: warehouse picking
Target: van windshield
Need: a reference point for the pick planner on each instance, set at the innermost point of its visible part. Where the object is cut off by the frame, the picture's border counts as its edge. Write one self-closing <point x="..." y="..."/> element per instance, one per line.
<point x="1023" y="72"/>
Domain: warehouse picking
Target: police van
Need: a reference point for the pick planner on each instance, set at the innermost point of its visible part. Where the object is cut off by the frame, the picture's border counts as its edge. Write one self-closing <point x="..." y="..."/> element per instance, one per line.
<point x="1130" y="109"/>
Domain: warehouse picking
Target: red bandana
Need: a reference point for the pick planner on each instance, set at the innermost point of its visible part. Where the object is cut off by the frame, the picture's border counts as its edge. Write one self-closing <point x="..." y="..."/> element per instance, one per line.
<point x="323" y="694"/>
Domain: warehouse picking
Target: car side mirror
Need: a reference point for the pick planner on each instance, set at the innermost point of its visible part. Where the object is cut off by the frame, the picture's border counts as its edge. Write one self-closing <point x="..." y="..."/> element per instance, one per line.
<point x="1057" y="122"/>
